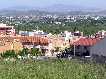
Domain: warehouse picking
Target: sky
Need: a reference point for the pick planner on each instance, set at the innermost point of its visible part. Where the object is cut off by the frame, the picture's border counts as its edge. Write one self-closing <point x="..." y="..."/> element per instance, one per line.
<point x="40" y="3"/>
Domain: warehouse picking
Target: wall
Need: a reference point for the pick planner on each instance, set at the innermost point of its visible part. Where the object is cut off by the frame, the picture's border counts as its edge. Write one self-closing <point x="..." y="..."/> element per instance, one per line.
<point x="99" y="48"/>
<point x="11" y="46"/>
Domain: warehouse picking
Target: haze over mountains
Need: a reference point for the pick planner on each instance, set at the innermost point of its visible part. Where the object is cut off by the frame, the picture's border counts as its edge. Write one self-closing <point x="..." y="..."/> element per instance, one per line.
<point x="67" y="8"/>
<point x="57" y="8"/>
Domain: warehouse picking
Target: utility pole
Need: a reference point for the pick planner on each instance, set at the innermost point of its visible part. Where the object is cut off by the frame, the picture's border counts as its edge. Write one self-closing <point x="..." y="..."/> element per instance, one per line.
<point x="74" y="50"/>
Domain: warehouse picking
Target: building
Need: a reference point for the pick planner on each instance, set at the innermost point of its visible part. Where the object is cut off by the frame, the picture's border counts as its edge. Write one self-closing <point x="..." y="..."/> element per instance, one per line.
<point x="9" y="43"/>
<point x="7" y="30"/>
<point x="90" y="47"/>
<point x="34" y="42"/>
<point x="23" y="33"/>
<point x="84" y="46"/>
<point x="33" y="33"/>
<point x="99" y="48"/>
<point x="101" y="34"/>
<point x="78" y="34"/>
<point x="17" y="43"/>
<point x="56" y="42"/>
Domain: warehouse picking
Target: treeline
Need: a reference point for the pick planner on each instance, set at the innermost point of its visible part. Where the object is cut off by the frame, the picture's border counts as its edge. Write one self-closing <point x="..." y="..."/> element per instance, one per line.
<point x="88" y="26"/>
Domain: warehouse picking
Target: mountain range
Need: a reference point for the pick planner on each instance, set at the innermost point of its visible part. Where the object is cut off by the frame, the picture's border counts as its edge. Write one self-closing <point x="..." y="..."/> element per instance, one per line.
<point x="57" y="8"/>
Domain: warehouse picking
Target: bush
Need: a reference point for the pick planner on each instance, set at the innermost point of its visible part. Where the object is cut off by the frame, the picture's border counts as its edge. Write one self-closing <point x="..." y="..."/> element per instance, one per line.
<point x="35" y="52"/>
<point x="24" y="52"/>
<point x="9" y="53"/>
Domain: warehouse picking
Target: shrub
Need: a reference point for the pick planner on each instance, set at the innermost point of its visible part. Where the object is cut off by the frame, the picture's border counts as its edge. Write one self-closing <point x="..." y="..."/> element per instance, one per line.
<point x="24" y="52"/>
<point x="35" y="52"/>
<point x="9" y="53"/>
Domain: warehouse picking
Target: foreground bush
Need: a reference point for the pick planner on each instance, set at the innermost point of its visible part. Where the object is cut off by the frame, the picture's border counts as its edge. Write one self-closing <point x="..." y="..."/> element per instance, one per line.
<point x="52" y="69"/>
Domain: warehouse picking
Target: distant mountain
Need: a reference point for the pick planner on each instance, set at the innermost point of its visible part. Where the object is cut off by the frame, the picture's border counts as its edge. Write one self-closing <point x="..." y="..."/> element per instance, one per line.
<point x="53" y="9"/>
<point x="22" y="12"/>
<point x="68" y="8"/>
<point x="22" y="8"/>
<point x="103" y="12"/>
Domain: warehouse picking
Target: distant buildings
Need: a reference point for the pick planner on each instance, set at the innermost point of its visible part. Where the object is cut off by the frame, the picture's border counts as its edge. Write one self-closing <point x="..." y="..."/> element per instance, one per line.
<point x="33" y="33"/>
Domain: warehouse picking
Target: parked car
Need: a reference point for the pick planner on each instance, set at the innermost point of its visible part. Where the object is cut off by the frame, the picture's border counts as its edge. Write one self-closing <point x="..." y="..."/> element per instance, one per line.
<point x="64" y="55"/>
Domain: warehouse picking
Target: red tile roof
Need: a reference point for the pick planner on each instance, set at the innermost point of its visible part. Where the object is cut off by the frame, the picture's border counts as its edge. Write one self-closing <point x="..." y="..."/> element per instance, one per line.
<point x="36" y="40"/>
<point x="86" y="41"/>
<point x="29" y="39"/>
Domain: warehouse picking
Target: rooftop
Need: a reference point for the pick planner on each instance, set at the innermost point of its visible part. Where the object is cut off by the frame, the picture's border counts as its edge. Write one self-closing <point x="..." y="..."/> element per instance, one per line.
<point x="33" y="39"/>
<point x="86" y="41"/>
<point x="27" y="39"/>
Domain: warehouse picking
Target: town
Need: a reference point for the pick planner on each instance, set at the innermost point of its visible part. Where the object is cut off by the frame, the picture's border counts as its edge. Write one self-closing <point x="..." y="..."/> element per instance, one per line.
<point x="52" y="39"/>
<point x="52" y="45"/>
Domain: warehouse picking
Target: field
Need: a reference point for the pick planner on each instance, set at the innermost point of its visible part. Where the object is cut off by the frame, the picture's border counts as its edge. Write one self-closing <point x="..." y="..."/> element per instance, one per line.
<point x="51" y="69"/>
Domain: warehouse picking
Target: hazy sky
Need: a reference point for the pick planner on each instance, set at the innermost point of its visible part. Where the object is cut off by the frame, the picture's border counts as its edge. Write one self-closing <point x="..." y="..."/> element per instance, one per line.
<point x="89" y="3"/>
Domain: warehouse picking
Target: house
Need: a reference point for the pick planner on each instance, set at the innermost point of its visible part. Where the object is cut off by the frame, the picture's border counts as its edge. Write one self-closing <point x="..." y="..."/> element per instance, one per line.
<point x="6" y="30"/>
<point x="34" y="42"/>
<point x="8" y="43"/>
<point x="17" y="43"/>
<point x="85" y="46"/>
<point x="56" y="42"/>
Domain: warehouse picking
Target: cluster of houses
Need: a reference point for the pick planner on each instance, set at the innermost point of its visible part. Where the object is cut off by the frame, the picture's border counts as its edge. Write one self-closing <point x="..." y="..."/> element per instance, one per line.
<point x="80" y="45"/>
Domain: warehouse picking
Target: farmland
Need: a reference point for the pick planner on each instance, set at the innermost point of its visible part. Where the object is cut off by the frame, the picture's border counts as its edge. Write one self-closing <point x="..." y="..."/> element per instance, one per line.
<point x="51" y="69"/>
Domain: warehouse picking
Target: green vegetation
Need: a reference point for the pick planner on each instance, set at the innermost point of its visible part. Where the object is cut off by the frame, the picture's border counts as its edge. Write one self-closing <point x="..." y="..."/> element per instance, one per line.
<point x="9" y="54"/>
<point x="48" y="69"/>
<point x="35" y="52"/>
<point x="24" y="52"/>
<point x="51" y="69"/>
<point x="88" y="26"/>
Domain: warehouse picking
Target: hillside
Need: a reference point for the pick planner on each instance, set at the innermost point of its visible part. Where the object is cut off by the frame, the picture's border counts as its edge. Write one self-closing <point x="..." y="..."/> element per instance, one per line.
<point x="52" y="69"/>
